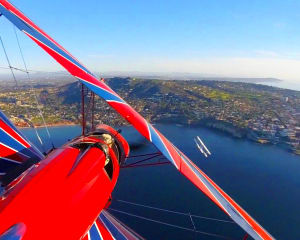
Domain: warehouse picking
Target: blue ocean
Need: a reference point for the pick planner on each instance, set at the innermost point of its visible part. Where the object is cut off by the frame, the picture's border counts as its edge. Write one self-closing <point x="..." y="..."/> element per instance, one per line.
<point x="263" y="179"/>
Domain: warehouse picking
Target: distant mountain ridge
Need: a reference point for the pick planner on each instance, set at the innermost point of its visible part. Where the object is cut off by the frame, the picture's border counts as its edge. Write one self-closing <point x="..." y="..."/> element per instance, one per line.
<point x="189" y="76"/>
<point x="57" y="77"/>
<point x="138" y="88"/>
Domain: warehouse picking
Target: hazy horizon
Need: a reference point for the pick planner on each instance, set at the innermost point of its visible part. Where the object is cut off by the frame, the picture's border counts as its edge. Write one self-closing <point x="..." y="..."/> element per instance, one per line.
<point x="274" y="82"/>
<point x="235" y="39"/>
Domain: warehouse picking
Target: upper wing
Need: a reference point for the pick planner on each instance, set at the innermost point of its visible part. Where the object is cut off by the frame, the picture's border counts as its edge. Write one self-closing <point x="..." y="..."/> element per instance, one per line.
<point x="109" y="228"/>
<point x="15" y="149"/>
<point x="179" y="160"/>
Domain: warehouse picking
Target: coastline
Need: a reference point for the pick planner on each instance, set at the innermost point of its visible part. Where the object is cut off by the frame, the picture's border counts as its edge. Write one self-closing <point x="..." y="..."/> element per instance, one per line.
<point x="250" y="135"/>
<point x="50" y="125"/>
<point x="233" y="131"/>
<point x="219" y="126"/>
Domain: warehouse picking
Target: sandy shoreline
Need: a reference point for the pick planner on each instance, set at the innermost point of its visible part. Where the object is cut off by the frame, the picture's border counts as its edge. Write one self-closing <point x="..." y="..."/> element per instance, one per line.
<point x="52" y="125"/>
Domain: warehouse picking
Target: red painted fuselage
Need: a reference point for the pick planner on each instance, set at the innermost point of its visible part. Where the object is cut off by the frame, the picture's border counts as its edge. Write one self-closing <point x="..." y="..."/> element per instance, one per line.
<point x="60" y="197"/>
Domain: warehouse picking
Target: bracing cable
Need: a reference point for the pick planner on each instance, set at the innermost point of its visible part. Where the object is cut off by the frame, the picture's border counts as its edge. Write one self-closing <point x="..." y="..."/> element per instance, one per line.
<point x="31" y="85"/>
<point x="170" y="224"/>
<point x="16" y="82"/>
<point x="8" y="62"/>
<point x="175" y="212"/>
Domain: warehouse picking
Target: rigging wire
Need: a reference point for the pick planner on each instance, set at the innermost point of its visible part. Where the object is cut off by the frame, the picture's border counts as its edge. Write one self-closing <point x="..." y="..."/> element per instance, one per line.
<point x="146" y="164"/>
<point x="171" y="225"/>
<point x="175" y="212"/>
<point x="14" y="68"/>
<point x="33" y="71"/>
<point x="143" y="155"/>
<point x="8" y="62"/>
<point x="15" y="79"/>
<point x="192" y="221"/>
<point x="32" y="89"/>
<point x="143" y="160"/>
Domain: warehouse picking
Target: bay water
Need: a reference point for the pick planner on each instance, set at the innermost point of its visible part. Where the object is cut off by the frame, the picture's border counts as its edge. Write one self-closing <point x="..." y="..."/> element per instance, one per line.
<point x="263" y="179"/>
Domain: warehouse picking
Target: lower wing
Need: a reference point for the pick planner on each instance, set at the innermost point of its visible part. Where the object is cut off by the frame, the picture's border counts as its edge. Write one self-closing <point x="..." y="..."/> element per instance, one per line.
<point x="16" y="152"/>
<point x="107" y="227"/>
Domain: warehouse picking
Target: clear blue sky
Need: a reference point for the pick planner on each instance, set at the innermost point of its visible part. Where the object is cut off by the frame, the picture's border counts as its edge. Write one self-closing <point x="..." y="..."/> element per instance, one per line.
<point x="217" y="37"/>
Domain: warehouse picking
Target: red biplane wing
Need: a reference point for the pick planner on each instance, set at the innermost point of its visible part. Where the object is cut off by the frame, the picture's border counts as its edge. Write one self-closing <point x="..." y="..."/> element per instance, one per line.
<point x="110" y="228"/>
<point x="15" y="149"/>
<point x="177" y="158"/>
